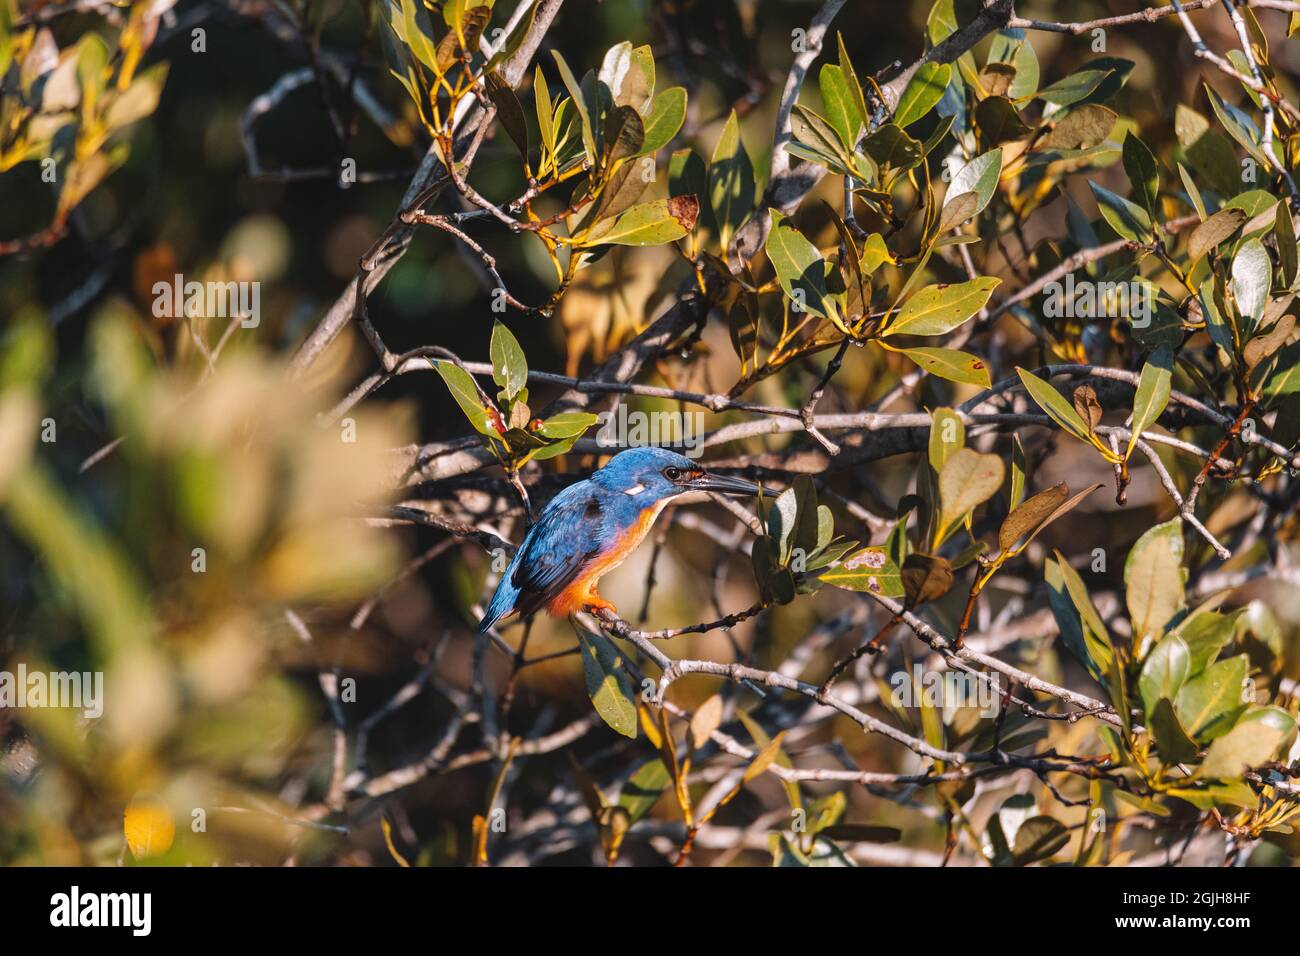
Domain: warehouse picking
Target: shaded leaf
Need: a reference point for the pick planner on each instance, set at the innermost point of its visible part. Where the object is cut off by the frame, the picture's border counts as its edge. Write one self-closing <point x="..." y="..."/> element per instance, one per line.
<point x="1175" y="746"/>
<point x="609" y="685"/>
<point x="731" y="181"/>
<point x="1128" y="219"/>
<point x="1213" y="231"/>
<point x="1143" y="173"/>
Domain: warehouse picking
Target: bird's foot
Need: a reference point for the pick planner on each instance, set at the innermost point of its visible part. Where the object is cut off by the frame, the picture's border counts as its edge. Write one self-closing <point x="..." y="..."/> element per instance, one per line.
<point x="597" y="604"/>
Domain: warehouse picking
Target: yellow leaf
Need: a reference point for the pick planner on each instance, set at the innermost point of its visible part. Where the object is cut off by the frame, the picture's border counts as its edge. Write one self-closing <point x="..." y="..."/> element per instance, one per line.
<point x="148" y="826"/>
<point x="388" y="840"/>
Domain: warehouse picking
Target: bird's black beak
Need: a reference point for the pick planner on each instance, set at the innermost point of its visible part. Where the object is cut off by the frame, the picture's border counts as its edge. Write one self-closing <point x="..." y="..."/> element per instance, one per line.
<point x="722" y="484"/>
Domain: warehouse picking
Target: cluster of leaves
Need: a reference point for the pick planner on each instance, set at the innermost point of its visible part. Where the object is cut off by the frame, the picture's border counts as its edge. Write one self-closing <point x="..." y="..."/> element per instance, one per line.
<point x="233" y="504"/>
<point x="951" y="483"/>
<point x="71" y="106"/>
<point x="1203" y="726"/>
<point x="800" y="542"/>
<point x="601" y="138"/>
<point x="513" y="435"/>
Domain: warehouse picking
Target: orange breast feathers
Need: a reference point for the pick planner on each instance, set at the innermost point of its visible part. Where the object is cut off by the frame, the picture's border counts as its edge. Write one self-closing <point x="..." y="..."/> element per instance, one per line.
<point x="582" y="592"/>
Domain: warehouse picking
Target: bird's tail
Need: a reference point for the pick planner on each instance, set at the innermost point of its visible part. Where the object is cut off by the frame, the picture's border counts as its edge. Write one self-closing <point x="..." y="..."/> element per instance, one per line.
<point x="503" y="601"/>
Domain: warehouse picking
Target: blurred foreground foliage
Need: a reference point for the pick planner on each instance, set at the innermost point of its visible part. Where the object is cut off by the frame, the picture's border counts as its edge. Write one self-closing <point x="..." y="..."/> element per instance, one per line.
<point x="269" y="566"/>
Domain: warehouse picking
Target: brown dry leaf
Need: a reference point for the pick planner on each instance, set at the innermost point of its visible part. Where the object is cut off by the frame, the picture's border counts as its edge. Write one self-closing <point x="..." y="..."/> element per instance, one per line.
<point x="1030" y="515"/>
<point x="1086" y="404"/>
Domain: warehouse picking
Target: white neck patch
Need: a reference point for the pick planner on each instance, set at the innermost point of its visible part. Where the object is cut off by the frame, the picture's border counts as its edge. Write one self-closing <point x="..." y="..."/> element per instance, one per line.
<point x="634" y="490"/>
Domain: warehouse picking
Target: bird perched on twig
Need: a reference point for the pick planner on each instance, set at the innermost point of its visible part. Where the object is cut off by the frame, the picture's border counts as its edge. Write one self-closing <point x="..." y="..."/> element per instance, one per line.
<point x="589" y="528"/>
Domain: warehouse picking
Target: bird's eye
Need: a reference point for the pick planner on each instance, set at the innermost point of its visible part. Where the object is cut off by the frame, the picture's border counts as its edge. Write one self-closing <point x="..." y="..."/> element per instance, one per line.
<point x="672" y="474"/>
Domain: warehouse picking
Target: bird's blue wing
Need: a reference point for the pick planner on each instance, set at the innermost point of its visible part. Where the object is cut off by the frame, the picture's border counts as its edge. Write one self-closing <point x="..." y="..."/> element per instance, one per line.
<point x="570" y="532"/>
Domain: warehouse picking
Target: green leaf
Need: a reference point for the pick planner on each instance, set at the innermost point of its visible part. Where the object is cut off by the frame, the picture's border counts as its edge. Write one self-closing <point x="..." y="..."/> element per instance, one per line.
<point x="580" y="104"/>
<point x="1240" y="127"/>
<point x="643" y="789"/>
<point x="461" y="385"/>
<point x="1010" y="47"/>
<point x="1193" y="193"/>
<point x="545" y="116"/>
<point x="1054" y="404"/>
<point x="1285" y="380"/>
<point x="1288" y="254"/>
<point x="947" y="435"/>
<point x="816" y="132"/>
<point x="869" y="569"/>
<point x="1019" y="466"/>
<point x="1081" y="627"/>
<point x="509" y="367"/>
<point x="841" y="108"/>
<point x="417" y="33"/>
<point x="1143" y="173"/>
<point x="609" y="685"/>
<point x="1206" y="633"/>
<point x="1175" y="746"/>
<point x="554" y="449"/>
<point x="1208" y="151"/>
<point x="1209" y="704"/>
<point x="649" y="224"/>
<point x="922" y="92"/>
<point x="1129" y="220"/>
<point x="510" y="112"/>
<point x="807" y="517"/>
<point x="1154" y="578"/>
<point x="1152" y="394"/>
<point x="664" y="121"/>
<point x="1164" y="672"/>
<point x="624" y="134"/>
<point x="979" y="176"/>
<point x="892" y="149"/>
<point x="950" y="364"/>
<point x="1236" y="794"/>
<point x="731" y="181"/>
<point x="781" y="521"/>
<point x="800" y="269"/>
<point x="859" y="103"/>
<point x="937" y="309"/>
<point x="567" y="425"/>
<point x="1252" y="280"/>
<point x="1074" y="87"/>
<point x="1255" y="739"/>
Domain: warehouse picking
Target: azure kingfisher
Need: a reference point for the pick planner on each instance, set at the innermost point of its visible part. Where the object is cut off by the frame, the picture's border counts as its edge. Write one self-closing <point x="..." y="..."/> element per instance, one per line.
<point x="590" y="527"/>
